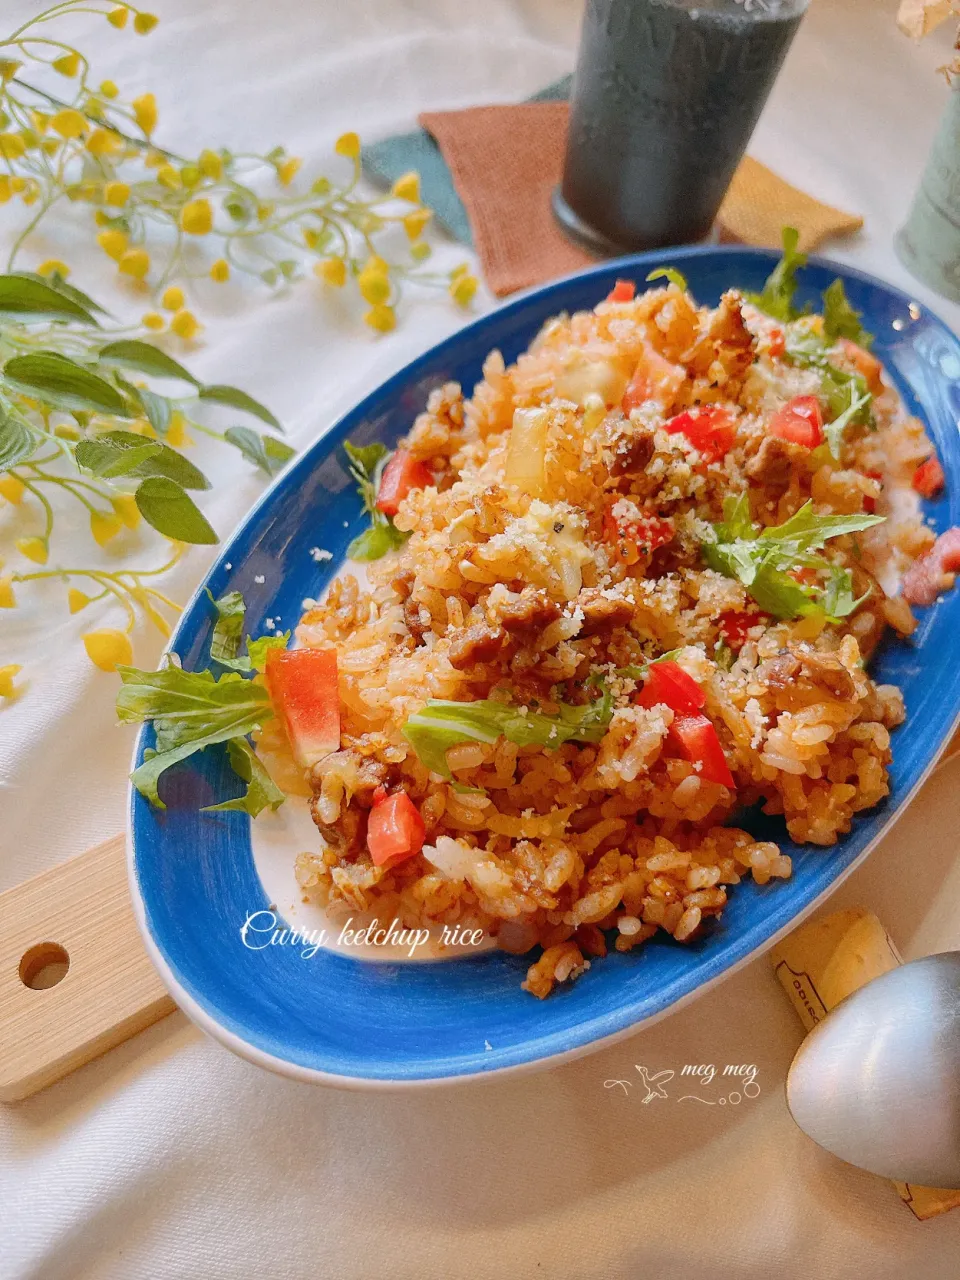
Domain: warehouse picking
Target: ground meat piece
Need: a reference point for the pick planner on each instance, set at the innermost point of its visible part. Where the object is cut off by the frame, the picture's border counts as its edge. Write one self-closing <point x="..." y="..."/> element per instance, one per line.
<point x="827" y="672"/>
<point x="780" y="671"/>
<point x="438" y="432"/>
<point x="348" y="836"/>
<point x="602" y="613"/>
<point x="479" y="643"/>
<point x="532" y="612"/>
<point x="724" y="350"/>
<point x="808" y="671"/>
<point x="403" y="584"/>
<point x="591" y="940"/>
<point x="415" y="624"/>
<point x="630" y="449"/>
<point x="775" y="462"/>
<point x="870" y="621"/>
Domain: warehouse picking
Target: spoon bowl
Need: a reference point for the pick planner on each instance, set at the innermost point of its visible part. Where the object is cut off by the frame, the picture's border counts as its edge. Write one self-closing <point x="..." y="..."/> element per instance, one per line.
<point x="877" y="1083"/>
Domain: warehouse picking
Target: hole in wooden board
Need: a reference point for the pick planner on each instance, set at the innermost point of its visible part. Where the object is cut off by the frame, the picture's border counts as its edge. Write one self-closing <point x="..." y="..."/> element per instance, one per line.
<point x="43" y="966"/>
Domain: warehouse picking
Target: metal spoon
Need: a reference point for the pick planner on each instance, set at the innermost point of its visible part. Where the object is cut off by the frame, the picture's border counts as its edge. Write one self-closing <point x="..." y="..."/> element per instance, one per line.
<point x="878" y="1081"/>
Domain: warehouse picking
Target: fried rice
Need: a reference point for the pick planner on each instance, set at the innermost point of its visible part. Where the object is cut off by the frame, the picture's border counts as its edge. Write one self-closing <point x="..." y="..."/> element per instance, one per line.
<point x="556" y="552"/>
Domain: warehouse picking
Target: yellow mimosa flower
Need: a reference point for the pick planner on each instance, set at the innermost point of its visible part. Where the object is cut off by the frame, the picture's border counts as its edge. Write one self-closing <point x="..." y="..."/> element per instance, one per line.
<point x="196" y="217"/>
<point x="34" y="549"/>
<point x="332" y="271"/>
<point x="145" y="112"/>
<point x="125" y="505"/>
<point x="12" y="489"/>
<point x="135" y="262"/>
<point x="381" y="317"/>
<point x="348" y="144"/>
<point x="185" y="324"/>
<point x="104" y="525"/>
<point x="7" y="675"/>
<point x="108" y="649"/>
<point x="407" y="187"/>
<point x="68" y="64"/>
<point x="69" y="123"/>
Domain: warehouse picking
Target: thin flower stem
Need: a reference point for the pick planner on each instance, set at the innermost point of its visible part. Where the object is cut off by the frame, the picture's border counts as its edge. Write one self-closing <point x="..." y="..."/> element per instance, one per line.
<point x="69" y="484"/>
<point x="44" y="502"/>
<point x="142" y="144"/>
<point x="106" y="581"/>
<point x="158" y="595"/>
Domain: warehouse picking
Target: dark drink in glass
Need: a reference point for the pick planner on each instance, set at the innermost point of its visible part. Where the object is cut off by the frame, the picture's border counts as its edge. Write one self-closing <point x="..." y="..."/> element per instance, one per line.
<point x="665" y="98"/>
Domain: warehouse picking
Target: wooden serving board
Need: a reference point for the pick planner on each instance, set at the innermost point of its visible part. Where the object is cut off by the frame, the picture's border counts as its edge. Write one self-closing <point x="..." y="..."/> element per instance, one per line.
<point x="79" y="911"/>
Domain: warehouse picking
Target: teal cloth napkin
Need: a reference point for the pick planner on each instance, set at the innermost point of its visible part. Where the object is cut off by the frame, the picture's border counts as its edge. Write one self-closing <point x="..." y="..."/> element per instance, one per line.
<point x="385" y="161"/>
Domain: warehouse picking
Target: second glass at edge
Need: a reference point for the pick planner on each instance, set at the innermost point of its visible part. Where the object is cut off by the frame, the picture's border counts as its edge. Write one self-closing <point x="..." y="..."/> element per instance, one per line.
<point x="665" y="97"/>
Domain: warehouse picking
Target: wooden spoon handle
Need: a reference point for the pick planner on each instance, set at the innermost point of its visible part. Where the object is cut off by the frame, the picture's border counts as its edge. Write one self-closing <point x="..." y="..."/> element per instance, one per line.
<point x="76" y="915"/>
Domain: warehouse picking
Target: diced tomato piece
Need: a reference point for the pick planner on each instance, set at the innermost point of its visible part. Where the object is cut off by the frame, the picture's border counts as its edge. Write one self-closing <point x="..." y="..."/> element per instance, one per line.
<point x="632" y="536"/>
<point x="807" y="407"/>
<point x="735" y="624"/>
<point x="870" y="504"/>
<point x="303" y="689"/>
<point x="928" y="479"/>
<point x="669" y="684"/>
<point x="655" y="378"/>
<point x="778" y="344"/>
<point x="709" y="429"/>
<point x="800" y="420"/>
<point x="395" y="830"/>
<point x="695" y="738"/>
<point x="638" y="391"/>
<point x="401" y="474"/>
<point x="622" y="291"/>
<point x="949" y="552"/>
<point x="866" y="364"/>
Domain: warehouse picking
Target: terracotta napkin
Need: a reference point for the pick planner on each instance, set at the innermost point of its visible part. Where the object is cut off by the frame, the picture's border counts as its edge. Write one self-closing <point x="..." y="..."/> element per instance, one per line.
<point x="506" y="160"/>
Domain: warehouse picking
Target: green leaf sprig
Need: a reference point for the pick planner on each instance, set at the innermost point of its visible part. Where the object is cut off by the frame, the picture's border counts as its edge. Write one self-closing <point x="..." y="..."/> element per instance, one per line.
<point x="843" y="392"/>
<point x="228" y="631"/>
<point x="763" y="561"/>
<point x="776" y="296"/>
<point x="671" y="275"/>
<point x="72" y="422"/>
<point x="841" y="319"/>
<point x="192" y="710"/>
<point x="441" y="725"/>
<point x="366" y="464"/>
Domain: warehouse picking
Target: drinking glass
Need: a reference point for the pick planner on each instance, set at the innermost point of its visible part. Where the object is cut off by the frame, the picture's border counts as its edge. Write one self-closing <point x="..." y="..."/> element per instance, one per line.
<point x="665" y="97"/>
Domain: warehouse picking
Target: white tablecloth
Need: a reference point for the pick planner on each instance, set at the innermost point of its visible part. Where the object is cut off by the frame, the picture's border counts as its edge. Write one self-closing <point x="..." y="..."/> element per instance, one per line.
<point x="169" y="1157"/>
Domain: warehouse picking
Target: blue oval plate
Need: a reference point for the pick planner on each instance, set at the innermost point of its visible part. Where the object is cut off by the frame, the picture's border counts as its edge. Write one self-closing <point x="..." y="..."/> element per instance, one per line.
<point x="351" y="1022"/>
